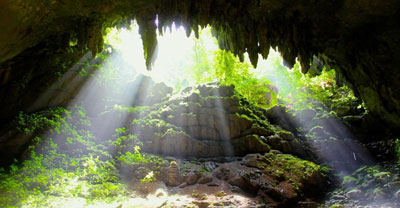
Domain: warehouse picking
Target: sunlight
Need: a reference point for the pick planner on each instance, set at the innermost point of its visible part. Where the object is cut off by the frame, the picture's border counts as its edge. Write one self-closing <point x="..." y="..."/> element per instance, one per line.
<point x="296" y="97"/>
<point x="175" y="52"/>
<point x="225" y="126"/>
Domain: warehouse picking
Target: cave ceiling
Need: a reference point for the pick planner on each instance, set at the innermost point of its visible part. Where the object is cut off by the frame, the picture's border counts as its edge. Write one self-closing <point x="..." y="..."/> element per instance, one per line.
<point x="360" y="38"/>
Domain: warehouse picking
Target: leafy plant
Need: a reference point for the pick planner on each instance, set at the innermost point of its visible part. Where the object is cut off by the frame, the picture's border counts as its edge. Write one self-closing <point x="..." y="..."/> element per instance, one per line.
<point x="132" y="158"/>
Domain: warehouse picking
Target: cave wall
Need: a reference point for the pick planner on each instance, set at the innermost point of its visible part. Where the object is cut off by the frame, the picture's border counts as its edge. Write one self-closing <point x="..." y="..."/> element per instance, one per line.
<point x="360" y="39"/>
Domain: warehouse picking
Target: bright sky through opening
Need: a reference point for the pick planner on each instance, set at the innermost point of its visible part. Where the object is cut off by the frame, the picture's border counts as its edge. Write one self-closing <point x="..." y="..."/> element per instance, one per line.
<point x="175" y="51"/>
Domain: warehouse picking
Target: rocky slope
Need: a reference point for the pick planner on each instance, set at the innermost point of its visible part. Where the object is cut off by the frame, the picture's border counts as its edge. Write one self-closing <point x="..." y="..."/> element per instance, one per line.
<point x="209" y="121"/>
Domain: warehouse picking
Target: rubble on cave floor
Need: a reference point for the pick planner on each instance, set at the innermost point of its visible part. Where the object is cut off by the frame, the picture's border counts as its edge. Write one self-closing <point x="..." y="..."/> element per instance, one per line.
<point x="272" y="179"/>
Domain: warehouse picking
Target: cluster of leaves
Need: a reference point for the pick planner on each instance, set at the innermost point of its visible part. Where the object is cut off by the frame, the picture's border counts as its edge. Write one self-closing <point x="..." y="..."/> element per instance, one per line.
<point x="229" y="70"/>
<point x="324" y="89"/>
<point x="301" y="91"/>
<point x="397" y="149"/>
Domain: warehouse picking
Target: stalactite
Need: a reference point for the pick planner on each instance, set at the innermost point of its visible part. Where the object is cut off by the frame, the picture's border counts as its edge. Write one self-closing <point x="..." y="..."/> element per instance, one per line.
<point x="95" y="42"/>
<point x="304" y="60"/>
<point x="83" y="35"/>
<point x="147" y="30"/>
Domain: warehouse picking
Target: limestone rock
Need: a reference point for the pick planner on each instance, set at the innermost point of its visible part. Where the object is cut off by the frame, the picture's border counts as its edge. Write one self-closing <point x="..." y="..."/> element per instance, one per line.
<point x="396" y="195"/>
<point x="250" y="144"/>
<point x="191" y="178"/>
<point x="174" y="177"/>
<point x="255" y="160"/>
<point x="355" y="194"/>
<point x="183" y="185"/>
<point x="248" y="181"/>
<point x="281" y="116"/>
<point x="184" y="127"/>
<point x="205" y="179"/>
<point x="201" y="204"/>
<point x="148" y="92"/>
<point x="224" y="173"/>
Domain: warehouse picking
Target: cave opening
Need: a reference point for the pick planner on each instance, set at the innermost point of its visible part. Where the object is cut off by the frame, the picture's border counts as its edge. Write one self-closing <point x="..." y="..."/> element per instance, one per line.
<point x="135" y="116"/>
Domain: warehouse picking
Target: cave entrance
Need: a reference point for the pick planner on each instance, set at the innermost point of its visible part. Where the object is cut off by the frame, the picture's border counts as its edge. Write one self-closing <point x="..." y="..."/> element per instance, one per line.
<point x="198" y="102"/>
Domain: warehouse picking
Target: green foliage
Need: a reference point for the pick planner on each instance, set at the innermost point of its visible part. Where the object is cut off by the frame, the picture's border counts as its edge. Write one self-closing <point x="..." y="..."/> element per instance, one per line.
<point x="200" y="70"/>
<point x="63" y="161"/>
<point x="149" y="177"/>
<point x="229" y="70"/>
<point x="30" y="123"/>
<point x="337" y="206"/>
<point x="123" y="140"/>
<point x="367" y="176"/>
<point x="132" y="158"/>
<point x="68" y="161"/>
<point x="349" y="180"/>
<point x="270" y="82"/>
<point x="302" y="91"/>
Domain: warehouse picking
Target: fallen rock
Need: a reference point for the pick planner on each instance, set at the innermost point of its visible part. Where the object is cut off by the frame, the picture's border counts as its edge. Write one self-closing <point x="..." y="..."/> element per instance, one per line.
<point x="191" y="178"/>
<point x="396" y="195"/>
<point x="283" y="192"/>
<point x="248" y="181"/>
<point x="213" y="184"/>
<point x="146" y="187"/>
<point x="355" y="194"/>
<point x="205" y="179"/>
<point x="379" y="194"/>
<point x="183" y="185"/>
<point x="308" y="204"/>
<point x="255" y="160"/>
<point x="224" y="172"/>
<point x="201" y="204"/>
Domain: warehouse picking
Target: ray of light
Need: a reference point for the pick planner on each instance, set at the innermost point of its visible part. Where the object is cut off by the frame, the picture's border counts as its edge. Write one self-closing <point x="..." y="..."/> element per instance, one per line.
<point x="344" y="149"/>
<point x="224" y="125"/>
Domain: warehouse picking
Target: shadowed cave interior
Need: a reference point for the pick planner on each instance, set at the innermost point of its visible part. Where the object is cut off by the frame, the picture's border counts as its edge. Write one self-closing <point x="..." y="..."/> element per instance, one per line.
<point x="211" y="103"/>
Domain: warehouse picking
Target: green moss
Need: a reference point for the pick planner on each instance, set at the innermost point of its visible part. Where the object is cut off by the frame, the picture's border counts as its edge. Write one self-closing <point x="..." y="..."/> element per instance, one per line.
<point x="397" y="150"/>
<point x="173" y="164"/>
<point x="337" y="206"/>
<point x="293" y="169"/>
<point x="244" y="116"/>
<point x="127" y="109"/>
<point x="172" y="132"/>
<point x="349" y="181"/>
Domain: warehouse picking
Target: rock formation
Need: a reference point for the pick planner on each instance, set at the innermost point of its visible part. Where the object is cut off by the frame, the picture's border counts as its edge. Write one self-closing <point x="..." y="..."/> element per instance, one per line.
<point x="209" y="121"/>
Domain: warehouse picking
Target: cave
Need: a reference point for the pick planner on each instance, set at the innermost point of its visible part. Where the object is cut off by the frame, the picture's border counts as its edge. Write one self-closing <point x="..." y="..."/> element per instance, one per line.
<point x="79" y="129"/>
